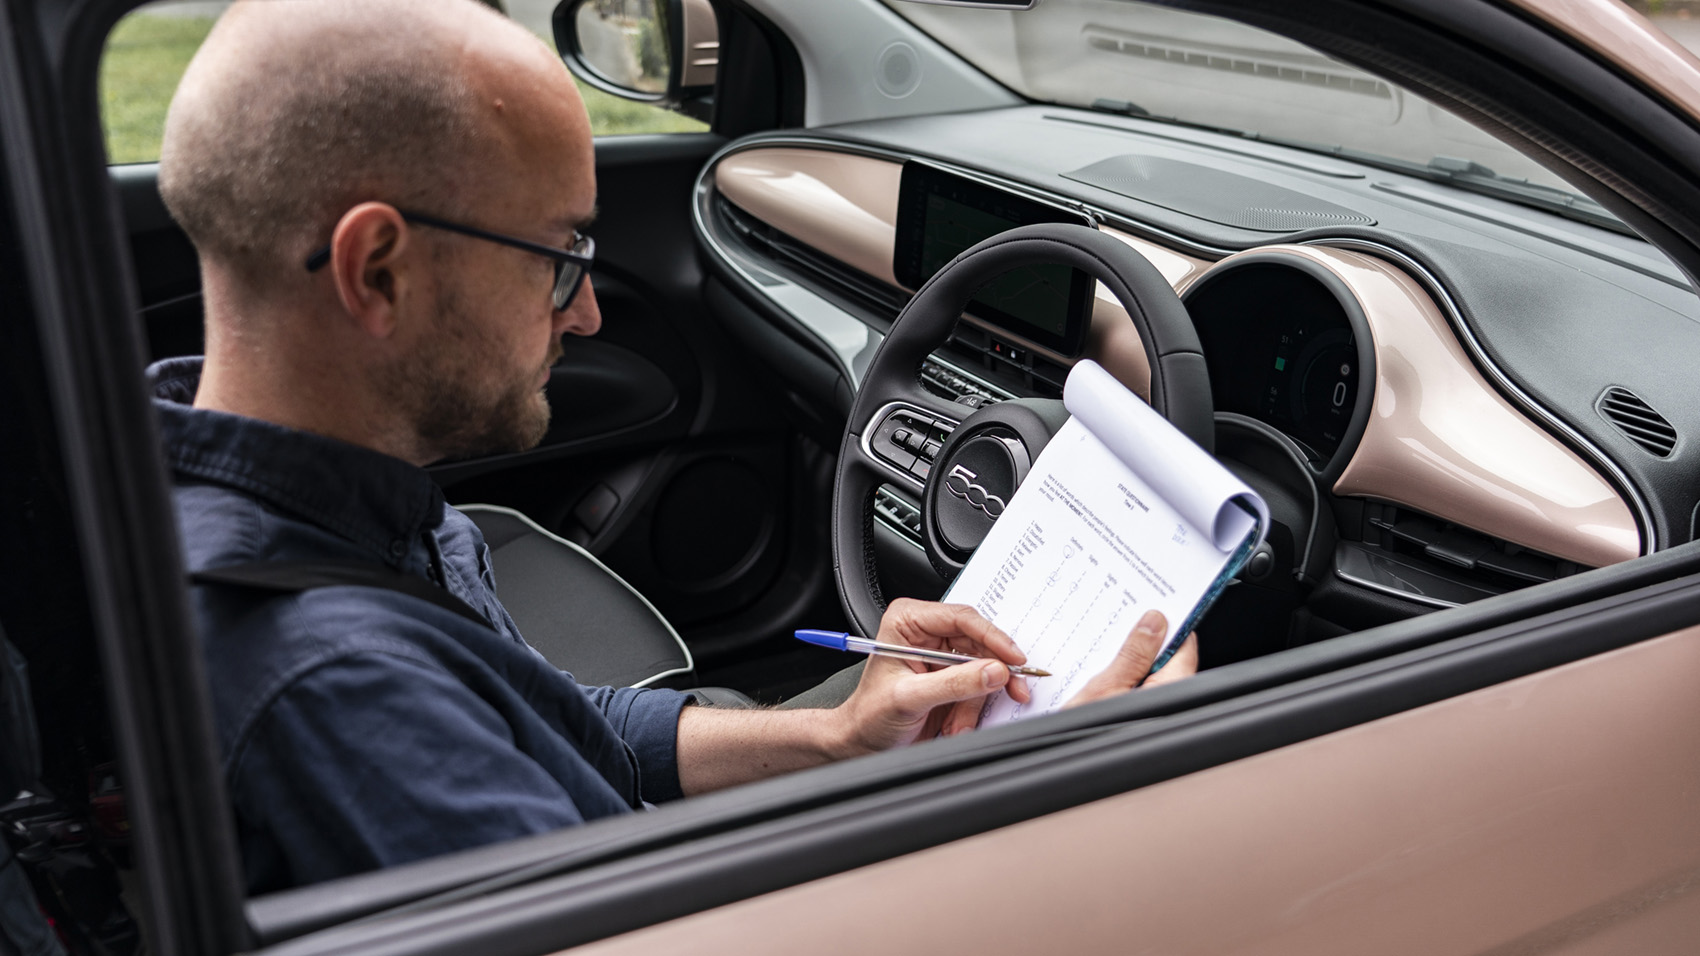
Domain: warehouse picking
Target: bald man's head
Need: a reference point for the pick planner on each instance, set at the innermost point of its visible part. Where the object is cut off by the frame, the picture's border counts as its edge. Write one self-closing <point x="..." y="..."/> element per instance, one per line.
<point x="293" y="111"/>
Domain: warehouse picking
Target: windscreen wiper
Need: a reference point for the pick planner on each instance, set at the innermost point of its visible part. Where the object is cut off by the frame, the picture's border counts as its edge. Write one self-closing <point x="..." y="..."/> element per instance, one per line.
<point x="1130" y="108"/>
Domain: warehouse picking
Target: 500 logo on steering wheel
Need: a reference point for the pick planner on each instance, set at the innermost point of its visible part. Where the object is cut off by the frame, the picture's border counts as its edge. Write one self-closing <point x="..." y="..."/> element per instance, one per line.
<point x="960" y="482"/>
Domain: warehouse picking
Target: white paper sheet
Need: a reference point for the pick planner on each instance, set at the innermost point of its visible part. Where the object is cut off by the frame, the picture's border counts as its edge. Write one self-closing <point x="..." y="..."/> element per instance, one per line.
<point x="1100" y="532"/>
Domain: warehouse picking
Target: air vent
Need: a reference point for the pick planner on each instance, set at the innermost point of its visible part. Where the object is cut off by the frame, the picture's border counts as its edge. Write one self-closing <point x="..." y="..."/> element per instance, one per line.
<point x="1637" y="420"/>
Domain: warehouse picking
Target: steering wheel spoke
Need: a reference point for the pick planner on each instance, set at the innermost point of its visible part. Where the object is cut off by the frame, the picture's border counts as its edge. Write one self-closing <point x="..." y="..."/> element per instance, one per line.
<point x="905" y="438"/>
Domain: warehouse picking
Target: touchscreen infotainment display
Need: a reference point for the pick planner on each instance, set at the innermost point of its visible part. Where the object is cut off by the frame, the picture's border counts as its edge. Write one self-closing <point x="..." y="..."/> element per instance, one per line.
<point x="940" y="214"/>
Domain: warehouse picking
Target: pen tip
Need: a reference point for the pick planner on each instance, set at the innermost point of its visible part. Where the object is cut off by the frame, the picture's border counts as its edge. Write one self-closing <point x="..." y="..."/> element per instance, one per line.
<point x="1033" y="671"/>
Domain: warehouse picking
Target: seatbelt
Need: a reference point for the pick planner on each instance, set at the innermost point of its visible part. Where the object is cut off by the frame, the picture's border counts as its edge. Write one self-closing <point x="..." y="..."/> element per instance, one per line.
<point x="293" y="577"/>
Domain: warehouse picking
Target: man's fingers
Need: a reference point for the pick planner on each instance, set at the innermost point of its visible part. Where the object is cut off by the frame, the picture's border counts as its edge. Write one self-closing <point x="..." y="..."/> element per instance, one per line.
<point x="964" y="716"/>
<point x="1019" y="689"/>
<point x="1132" y="661"/>
<point x="922" y="692"/>
<point x="947" y="627"/>
<point x="1183" y="664"/>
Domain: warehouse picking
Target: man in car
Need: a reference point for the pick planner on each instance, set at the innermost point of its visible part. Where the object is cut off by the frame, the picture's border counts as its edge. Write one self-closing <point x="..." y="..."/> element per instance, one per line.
<point x="387" y="199"/>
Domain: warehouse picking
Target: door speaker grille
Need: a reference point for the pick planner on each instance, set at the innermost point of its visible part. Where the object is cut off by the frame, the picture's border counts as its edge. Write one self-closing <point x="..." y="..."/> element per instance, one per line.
<point x="1637" y="420"/>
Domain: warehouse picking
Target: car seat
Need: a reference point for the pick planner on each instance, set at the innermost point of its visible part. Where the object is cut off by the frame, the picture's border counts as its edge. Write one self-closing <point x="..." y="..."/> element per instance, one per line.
<point x="579" y="614"/>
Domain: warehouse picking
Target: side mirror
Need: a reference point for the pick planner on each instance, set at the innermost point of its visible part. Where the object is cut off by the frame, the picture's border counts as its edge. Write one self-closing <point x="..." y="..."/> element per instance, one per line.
<point x="664" y="52"/>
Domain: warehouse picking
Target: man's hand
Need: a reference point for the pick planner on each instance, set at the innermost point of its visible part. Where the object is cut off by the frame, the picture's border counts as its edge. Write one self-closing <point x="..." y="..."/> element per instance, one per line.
<point x="899" y="702"/>
<point x="1134" y="659"/>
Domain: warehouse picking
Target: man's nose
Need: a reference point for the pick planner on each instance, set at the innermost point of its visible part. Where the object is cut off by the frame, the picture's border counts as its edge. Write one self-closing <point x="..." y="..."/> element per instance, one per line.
<point x="581" y="316"/>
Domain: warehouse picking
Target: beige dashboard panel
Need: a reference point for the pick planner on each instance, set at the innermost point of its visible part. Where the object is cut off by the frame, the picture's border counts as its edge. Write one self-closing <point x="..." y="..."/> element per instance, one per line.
<point x="1441" y="440"/>
<point x="841" y="204"/>
<point x="1555" y="813"/>
<point x="845" y="205"/>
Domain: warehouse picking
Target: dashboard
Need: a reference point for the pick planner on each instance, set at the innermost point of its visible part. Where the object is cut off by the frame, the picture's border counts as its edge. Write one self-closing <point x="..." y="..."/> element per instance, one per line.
<point x="1374" y="331"/>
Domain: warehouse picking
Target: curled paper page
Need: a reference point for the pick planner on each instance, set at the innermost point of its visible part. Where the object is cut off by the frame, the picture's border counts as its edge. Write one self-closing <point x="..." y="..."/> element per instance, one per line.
<point x="1183" y="474"/>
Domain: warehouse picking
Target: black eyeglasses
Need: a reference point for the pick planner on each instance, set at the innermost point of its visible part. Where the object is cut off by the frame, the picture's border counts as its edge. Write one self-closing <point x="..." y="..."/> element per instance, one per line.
<point x="571" y="265"/>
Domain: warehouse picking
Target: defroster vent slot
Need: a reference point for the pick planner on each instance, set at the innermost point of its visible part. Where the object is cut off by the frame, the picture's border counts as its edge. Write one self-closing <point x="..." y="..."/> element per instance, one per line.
<point x="1637" y="420"/>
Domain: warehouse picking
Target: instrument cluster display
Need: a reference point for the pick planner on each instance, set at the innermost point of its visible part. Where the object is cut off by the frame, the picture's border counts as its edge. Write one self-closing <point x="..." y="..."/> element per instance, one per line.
<point x="1280" y="349"/>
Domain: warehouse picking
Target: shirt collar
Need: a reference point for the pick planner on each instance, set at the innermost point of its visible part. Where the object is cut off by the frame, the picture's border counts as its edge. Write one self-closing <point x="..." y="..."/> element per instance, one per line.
<point x="370" y="498"/>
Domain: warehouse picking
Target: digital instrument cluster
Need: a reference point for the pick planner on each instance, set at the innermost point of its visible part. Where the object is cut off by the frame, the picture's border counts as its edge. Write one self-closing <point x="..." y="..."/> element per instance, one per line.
<point x="1280" y="349"/>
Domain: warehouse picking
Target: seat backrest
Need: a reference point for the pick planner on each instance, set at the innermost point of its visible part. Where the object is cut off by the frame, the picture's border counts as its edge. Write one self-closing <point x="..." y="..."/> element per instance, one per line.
<point x="579" y="614"/>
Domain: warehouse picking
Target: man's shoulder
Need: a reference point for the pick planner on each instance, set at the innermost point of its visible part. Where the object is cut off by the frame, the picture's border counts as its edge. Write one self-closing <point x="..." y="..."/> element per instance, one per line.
<point x="258" y="644"/>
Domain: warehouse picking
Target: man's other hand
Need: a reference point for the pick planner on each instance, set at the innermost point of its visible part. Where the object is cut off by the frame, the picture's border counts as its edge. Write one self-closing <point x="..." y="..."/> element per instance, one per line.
<point x="1134" y="659"/>
<point x="899" y="702"/>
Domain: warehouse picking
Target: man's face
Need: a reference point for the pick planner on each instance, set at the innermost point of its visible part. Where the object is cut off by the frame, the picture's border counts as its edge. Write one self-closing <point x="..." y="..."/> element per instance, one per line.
<point x="475" y="388"/>
<point x="475" y="383"/>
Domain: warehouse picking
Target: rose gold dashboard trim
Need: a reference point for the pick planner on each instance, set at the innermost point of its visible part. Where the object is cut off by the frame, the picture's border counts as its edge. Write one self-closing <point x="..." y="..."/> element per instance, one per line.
<point x="1628" y="41"/>
<point x="841" y="204"/>
<point x="845" y="205"/>
<point x="1441" y="440"/>
<point x="1557" y="812"/>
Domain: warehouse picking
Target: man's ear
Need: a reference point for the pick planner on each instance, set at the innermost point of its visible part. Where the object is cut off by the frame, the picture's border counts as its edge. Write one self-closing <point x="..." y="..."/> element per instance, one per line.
<point x="368" y="265"/>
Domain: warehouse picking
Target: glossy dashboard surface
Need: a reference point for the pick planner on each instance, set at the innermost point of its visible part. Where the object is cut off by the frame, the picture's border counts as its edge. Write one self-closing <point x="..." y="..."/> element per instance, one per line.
<point x="1439" y="439"/>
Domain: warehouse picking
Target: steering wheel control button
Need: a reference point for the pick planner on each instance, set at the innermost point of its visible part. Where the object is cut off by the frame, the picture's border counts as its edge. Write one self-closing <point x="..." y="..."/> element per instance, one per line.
<point x="977" y="484"/>
<point x="930" y="450"/>
<point x="891" y="438"/>
<point x="922" y="468"/>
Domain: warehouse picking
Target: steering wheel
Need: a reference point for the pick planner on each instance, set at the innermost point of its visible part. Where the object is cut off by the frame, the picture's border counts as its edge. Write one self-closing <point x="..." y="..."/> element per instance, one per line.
<point x="975" y="468"/>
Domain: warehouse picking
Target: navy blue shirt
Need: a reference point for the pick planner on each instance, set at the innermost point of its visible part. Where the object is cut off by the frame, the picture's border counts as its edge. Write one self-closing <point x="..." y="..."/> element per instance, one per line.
<point x="360" y="727"/>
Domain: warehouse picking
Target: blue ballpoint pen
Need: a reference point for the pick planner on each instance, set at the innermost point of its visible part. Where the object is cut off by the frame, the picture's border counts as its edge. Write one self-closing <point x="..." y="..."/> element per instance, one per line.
<point x="840" y="641"/>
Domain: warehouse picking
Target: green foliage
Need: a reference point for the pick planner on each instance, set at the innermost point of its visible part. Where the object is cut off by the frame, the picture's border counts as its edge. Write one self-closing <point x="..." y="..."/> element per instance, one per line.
<point x="611" y="115"/>
<point x="144" y="61"/>
<point x="147" y="54"/>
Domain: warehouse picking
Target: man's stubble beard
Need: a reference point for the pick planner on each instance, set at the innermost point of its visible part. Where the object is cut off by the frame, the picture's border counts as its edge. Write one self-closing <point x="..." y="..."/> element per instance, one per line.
<point x="457" y="412"/>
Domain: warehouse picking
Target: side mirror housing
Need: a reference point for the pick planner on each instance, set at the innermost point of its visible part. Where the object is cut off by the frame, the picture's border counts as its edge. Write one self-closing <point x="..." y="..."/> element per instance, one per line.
<point x="663" y="52"/>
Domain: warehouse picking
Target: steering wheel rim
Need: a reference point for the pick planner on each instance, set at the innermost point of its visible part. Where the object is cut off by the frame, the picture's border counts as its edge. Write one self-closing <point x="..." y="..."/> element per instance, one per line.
<point x="1180" y="384"/>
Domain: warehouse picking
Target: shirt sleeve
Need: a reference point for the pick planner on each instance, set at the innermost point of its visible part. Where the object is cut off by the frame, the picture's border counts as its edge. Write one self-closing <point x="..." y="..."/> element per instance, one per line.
<point x="648" y="720"/>
<point x="331" y="771"/>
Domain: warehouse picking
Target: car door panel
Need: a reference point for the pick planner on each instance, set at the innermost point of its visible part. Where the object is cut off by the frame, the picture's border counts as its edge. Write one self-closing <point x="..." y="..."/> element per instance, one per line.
<point x="721" y="849"/>
<point x="1552" y="813"/>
